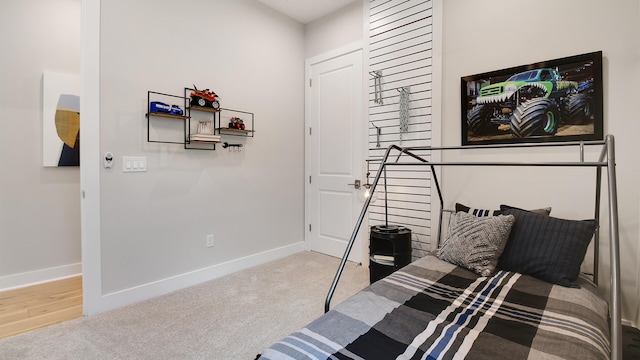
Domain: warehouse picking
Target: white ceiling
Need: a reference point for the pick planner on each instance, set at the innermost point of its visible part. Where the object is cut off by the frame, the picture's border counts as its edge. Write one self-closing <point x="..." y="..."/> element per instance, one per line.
<point x="306" y="11"/>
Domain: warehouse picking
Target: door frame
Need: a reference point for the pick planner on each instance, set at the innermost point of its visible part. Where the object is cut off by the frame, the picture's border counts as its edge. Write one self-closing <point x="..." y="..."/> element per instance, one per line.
<point x="359" y="245"/>
<point x="93" y="301"/>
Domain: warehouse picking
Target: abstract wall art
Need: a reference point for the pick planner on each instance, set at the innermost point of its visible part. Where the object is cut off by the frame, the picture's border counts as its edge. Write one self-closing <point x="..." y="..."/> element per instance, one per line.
<point x="60" y="119"/>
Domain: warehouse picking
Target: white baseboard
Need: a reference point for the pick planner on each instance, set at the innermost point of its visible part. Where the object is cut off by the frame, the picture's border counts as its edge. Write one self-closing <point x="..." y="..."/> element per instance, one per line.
<point x="139" y="293"/>
<point x="15" y="281"/>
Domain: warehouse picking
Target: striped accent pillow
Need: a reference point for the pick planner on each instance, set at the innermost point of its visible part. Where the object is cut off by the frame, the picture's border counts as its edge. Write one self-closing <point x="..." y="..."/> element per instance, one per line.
<point x="483" y="212"/>
<point x="476" y="212"/>
<point x="476" y="243"/>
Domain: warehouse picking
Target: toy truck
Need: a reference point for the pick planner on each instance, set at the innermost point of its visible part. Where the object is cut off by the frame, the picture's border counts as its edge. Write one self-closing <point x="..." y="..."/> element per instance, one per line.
<point x="204" y="98"/>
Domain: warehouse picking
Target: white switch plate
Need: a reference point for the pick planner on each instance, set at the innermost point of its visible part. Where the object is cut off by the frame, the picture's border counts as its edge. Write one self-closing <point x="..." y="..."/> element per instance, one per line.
<point x="210" y="240"/>
<point x="134" y="163"/>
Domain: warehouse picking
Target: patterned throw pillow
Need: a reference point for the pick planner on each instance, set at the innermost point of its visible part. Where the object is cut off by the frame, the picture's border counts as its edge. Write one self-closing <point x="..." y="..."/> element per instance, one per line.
<point x="475" y="242"/>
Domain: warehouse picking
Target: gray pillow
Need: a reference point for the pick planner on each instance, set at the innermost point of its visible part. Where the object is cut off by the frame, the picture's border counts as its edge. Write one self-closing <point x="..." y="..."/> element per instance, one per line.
<point x="476" y="243"/>
<point x="545" y="247"/>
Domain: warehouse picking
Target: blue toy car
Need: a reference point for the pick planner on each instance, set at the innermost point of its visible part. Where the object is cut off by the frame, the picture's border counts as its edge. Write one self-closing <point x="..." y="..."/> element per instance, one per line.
<point x="176" y="110"/>
<point x="157" y="106"/>
<point x="160" y="107"/>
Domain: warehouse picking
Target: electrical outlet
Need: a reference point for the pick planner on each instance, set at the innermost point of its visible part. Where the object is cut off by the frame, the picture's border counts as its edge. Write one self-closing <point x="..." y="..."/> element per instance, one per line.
<point x="210" y="240"/>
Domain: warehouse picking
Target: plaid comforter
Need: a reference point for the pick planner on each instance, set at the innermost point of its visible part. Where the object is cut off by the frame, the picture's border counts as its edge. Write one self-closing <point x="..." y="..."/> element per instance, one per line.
<point x="434" y="310"/>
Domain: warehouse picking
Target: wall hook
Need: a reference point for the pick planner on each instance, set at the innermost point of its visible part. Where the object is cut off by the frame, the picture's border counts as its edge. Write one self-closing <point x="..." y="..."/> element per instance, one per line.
<point x="231" y="147"/>
<point x="377" y="85"/>
<point x="404" y="110"/>
<point x="378" y="132"/>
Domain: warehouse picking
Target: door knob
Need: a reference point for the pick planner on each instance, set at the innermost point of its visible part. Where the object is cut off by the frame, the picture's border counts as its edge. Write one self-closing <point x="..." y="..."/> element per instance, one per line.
<point x="356" y="184"/>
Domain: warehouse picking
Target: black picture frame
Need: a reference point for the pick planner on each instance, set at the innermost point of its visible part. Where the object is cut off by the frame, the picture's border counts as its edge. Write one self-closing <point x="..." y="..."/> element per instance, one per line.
<point x="552" y="100"/>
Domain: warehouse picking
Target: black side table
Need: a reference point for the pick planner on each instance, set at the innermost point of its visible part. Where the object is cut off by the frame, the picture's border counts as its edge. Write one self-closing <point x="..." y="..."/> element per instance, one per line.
<point x="389" y="250"/>
<point x="630" y="343"/>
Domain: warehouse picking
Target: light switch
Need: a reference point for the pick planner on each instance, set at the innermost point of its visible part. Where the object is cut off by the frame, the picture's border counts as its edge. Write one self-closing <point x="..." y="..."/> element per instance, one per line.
<point x="134" y="163"/>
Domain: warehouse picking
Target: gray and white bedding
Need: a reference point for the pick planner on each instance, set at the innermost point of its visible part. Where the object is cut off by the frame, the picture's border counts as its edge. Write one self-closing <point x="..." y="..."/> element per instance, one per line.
<point x="432" y="309"/>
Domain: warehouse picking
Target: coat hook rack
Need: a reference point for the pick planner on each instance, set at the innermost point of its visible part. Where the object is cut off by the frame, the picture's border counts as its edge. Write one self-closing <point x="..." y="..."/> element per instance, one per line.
<point x="231" y="147"/>
<point x="377" y="85"/>
<point x="378" y="132"/>
<point x="404" y="110"/>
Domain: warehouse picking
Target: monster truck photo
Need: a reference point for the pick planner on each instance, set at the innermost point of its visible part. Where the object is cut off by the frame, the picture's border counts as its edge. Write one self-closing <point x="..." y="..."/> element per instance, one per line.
<point x="534" y="103"/>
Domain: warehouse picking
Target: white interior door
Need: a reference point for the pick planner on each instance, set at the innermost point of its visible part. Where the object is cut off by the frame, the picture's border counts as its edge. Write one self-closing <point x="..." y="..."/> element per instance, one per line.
<point x="335" y="151"/>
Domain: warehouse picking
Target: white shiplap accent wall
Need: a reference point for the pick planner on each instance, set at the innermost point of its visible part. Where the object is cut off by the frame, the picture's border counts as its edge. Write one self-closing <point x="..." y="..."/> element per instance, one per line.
<point x="400" y="47"/>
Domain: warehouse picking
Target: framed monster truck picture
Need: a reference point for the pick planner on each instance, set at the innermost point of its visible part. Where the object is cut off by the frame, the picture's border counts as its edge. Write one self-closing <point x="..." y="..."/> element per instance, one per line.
<point x="553" y="100"/>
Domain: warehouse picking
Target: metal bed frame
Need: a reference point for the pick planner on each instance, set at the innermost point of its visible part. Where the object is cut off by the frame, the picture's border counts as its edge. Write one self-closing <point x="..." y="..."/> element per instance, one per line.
<point x="606" y="160"/>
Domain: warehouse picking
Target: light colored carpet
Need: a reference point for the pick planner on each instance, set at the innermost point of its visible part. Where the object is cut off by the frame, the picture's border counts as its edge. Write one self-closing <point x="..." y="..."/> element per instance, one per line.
<point x="233" y="317"/>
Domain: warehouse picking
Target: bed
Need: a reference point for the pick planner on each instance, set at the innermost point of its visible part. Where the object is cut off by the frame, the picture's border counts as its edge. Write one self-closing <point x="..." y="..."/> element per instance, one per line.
<point x="513" y="289"/>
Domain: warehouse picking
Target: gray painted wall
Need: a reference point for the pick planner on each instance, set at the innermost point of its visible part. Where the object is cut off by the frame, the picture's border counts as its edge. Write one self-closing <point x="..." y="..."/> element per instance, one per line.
<point x="39" y="207"/>
<point x="154" y="224"/>
<point x="345" y="26"/>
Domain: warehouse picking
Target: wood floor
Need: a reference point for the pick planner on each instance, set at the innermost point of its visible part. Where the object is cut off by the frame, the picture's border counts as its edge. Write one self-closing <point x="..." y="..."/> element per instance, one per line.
<point x="37" y="306"/>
